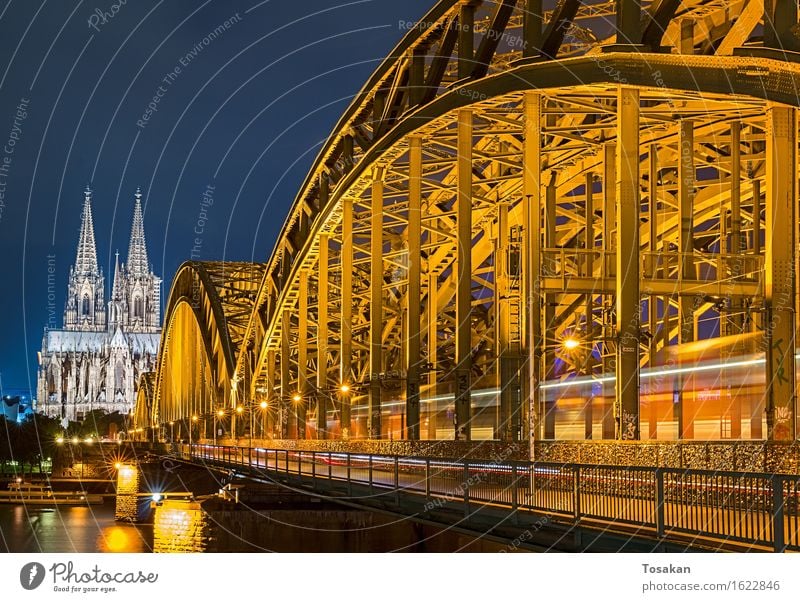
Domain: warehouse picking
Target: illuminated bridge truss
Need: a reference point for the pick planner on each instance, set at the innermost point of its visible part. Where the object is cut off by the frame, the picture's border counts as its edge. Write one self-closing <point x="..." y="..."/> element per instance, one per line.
<point x="582" y="226"/>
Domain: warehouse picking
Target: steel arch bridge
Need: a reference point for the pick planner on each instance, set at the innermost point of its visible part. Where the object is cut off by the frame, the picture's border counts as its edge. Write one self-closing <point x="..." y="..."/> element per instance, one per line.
<point x="567" y="221"/>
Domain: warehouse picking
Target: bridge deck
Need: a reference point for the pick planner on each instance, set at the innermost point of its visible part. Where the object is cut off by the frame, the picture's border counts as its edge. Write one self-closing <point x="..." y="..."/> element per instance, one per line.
<point x="718" y="510"/>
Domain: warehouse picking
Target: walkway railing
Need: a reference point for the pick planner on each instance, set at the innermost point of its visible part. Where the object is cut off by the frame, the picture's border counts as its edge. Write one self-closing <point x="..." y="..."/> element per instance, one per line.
<point x="750" y="508"/>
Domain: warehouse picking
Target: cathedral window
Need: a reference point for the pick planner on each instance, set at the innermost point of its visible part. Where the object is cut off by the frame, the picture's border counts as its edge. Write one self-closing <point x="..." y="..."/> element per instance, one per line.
<point x="138" y="310"/>
<point x="119" y="378"/>
<point x="85" y="309"/>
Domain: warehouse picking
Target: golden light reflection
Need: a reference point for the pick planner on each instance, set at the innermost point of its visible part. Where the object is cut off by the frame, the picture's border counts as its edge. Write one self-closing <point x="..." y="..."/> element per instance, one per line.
<point x="117" y="539"/>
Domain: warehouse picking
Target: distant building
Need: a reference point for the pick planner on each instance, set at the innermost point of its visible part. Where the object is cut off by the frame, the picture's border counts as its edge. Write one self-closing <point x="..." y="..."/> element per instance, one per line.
<point x="95" y="361"/>
<point x="16" y="405"/>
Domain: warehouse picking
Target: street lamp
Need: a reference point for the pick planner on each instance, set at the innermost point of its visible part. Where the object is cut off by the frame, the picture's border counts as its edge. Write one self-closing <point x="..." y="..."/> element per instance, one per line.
<point x="571" y="343"/>
<point x="345" y="388"/>
<point x="264" y="405"/>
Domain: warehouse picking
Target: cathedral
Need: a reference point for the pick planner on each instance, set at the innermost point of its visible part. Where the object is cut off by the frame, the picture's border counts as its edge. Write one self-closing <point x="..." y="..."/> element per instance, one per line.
<point x="95" y="360"/>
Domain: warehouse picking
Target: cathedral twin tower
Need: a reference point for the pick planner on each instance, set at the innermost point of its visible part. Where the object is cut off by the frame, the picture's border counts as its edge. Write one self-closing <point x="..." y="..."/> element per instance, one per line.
<point x="95" y="361"/>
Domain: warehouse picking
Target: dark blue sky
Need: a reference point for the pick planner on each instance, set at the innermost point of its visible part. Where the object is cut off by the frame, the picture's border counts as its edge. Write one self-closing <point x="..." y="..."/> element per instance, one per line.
<point x="246" y="114"/>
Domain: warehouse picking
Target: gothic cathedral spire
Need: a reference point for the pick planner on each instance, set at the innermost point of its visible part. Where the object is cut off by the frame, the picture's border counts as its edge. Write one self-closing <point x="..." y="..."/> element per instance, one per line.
<point x="137" y="249"/>
<point x="86" y="261"/>
<point x="85" y="307"/>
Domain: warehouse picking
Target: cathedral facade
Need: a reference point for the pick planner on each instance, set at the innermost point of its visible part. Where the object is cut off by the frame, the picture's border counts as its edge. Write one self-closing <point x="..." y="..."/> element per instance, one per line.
<point x="95" y="360"/>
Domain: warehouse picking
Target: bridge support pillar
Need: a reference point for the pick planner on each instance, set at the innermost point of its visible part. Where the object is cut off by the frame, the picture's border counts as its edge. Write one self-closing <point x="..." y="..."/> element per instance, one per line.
<point x="272" y="412"/>
<point x="346" y="326"/>
<point x="550" y="341"/>
<point x="628" y="264"/>
<point x="301" y="404"/>
<point x="686" y="304"/>
<point x="733" y="322"/>
<point x="464" y="277"/>
<point x="532" y="190"/>
<point x="376" y="306"/>
<point x="609" y="270"/>
<point x="507" y="344"/>
<point x="780" y="277"/>
<point x="322" y="339"/>
<point x="433" y="350"/>
<point x="413" y="296"/>
<point x="286" y="393"/>
<point x="587" y="357"/>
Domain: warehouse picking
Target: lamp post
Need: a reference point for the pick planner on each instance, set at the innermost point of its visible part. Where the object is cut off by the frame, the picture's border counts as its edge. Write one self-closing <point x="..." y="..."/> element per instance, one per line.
<point x="195" y="418"/>
<point x="219" y="415"/>
<point x="264" y="409"/>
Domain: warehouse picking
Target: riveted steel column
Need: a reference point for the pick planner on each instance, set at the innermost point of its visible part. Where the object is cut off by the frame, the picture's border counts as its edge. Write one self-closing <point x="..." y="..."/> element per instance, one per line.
<point x="628" y="265"/>
<point x="302" y="355"/>
<point x="532" y="191"/>
<point x="346" y="326"/>
<point x="322" y="338"/>
<point x="686" y="194"/>
<point x="686" y="304"/>
<point x="780" y="278"/>
<point x="464" y="276"/>
<point x="414" y="294"/>
<point x="588" y="342"/>
<point x="532" y="28"/>
<point x="273" y="412"/>
<point x="376" y="306"/>
<point x="756" y="318"/>
<point x="507" y="353"/>
<point x="286" y="392"/>
<point x="433" y="347"/>
<point x="466" y="41"/>
<point x="629" y="21"/>
<point x="609" y="270"/>
<point x="737" y="246"/>
<point x="549" y="326"/>
<point x="652" y="263"/>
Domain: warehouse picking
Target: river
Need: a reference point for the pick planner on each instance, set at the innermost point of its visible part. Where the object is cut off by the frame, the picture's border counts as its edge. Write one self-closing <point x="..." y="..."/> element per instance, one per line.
<point x="69" y="529"/>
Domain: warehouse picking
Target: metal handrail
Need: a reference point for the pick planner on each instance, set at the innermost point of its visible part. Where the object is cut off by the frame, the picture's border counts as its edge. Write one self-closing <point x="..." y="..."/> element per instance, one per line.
<point x="754" y="508"/>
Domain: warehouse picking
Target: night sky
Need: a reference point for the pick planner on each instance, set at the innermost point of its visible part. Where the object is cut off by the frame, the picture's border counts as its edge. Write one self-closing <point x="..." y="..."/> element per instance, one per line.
<point x="246" y="114"/>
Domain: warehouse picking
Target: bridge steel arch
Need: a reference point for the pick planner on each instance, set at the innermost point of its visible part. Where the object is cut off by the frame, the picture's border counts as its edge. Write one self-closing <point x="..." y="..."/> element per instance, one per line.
<point x="208" y="307"/>
<point x="512" y="202"/>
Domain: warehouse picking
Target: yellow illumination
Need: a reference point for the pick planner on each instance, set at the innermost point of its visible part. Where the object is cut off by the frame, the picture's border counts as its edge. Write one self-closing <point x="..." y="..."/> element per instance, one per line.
<point x="117" y="539"/>
<point x="59" y="440"/>
<point x="75" y="440"/>
<point x="194" y="419"/>
<point x="117" y="465"/>
<point x="571" y="344"/>
<point x="297" y="397"/>
<point x="263" y="405"/>
<point x="220" y="412"/>
<point x="345" y="388"/>
<point x="239" y="410"/>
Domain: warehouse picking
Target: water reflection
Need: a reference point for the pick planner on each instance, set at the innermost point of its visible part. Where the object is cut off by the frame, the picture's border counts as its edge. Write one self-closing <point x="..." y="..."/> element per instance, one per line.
<point x="69" y="529"/>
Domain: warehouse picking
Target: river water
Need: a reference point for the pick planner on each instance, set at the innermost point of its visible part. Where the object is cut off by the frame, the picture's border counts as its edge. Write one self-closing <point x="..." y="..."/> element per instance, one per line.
<point x="69" y="529"/>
